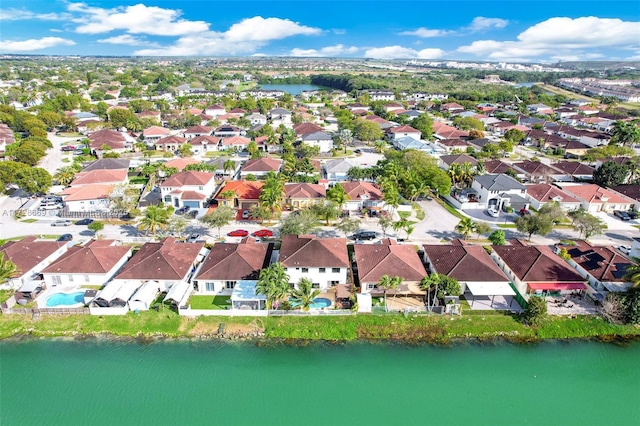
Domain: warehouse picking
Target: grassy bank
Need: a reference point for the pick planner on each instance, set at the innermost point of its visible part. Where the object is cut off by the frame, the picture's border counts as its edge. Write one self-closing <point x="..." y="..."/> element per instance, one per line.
<point x="436" y="329"/>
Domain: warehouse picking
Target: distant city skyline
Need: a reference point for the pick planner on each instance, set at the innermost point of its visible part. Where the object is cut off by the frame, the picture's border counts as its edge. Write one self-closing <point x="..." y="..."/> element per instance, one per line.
<point x="497" y="31"/>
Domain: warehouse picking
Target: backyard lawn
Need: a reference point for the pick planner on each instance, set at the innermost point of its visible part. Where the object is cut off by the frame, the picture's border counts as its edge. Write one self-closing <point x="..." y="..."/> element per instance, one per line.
<point x="209" y="302"/>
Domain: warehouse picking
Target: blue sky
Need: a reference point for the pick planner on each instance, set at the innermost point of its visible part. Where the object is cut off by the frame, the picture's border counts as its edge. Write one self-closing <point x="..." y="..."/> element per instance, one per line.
<point x="511" y="30"/>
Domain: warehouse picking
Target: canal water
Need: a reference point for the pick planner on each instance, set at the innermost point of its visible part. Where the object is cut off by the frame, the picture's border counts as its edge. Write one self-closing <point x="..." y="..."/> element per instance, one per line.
<point x="292" y="89"/>
<point x="104" y="382"/>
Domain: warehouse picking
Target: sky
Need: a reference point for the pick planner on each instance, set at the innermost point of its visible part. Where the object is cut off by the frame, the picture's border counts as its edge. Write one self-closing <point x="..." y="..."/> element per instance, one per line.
<point x="490" y="30"/>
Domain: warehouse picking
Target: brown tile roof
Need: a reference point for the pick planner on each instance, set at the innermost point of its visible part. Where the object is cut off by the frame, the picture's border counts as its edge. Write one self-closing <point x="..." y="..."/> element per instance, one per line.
<point x="263" y="164"/>
<point x="453" y="142"/>
<point x="100" y="176"/>
<point x="108" y="164"/>
<point x="166" y="260"/>
<point x="306" y="128"/>
<point x="593" y="193"/>
<point x="603" y="263"/>
<point x="95" y="257"/>
<point x="403" y="129"/>
<point x="464" y="263"/>
<point x="87" y="192"/>
<point x="536" y="264"/>
<point x="497" y="167"/>
<point x="188" y="178"/>
<point x="544" y="192"/>
<point x="304" y="190"/>
<point x="106" y="135"/>
<point x="235" y="261"/>
<point x="458" y="159"/>
<point x="356" y="190"/>
<point x="573" y="168"/>
<point x="244" y="189"/>
<point x="376" y="260"/>
<point x="307" y="250"/>
<point x="28" y="252"/>
<point x="198" y="129"/>
<point x="171" y="140"/>
<point x="205" y="139"/>
<point x="236" y="140"/>
<point x="631" y="191"/>
<point x="535" y="168"/>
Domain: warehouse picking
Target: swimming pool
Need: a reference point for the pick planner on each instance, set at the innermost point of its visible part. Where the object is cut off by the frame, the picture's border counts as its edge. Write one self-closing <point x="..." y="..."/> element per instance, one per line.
<point x="318" y="303"/>
<point x="65" y="299"/>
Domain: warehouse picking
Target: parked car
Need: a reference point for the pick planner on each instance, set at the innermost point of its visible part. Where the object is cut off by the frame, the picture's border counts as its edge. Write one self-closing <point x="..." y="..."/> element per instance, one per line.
<point x="263" y="233"/>
<point x="524" y="212"/>
<point x="364" y="235"/>
<point x="183" y="210"/>
<point x="622" y="215"/>
<point x="192" y="214"/>
<point x="65" y="237"/>
<point x="493" y="212"/>
<point x="238" y="233"/>
<point x="625" y="249"/>
<point x="64" y="222"/>
<point x="246" y="214"/>
<point x="428" y="198"/>
<point x="51" y="206"/>
<point x="358" y="151"/>
<point x="84" y="221"/>
<point x="633" y="214"/>
<point x="192" y="238"/>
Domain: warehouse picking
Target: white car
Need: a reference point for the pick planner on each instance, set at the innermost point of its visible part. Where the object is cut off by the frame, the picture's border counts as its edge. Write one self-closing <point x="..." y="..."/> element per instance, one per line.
<point x="625" y="249"/>
<point x="50" y="206"/>
<point x="493" y="212"/>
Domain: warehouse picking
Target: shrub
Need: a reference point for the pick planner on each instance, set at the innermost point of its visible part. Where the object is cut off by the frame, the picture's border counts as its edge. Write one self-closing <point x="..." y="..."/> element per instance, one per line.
<point x="536" y="310"/>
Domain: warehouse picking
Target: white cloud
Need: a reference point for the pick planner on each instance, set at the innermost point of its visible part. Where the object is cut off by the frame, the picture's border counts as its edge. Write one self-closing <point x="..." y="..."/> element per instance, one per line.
<point x="399" y="52"/>
<point x="561" y="38"/>
<point x="328" y="51"/>
<point x="21" y="14"/>
<point x="426" y="33"/>
<point x="34" y="44"/>
<point x="480" y="23"/>
<point x="128" y="40"/>
<point x="137" y="19"/>
<point x="242" y="38"/>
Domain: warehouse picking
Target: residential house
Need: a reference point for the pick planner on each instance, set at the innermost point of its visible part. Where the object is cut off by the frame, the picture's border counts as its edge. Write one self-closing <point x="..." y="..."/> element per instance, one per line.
<point x="602" y="266"/>
<point x="357" y="107"/>
<point x="107" y="140"/>
<point x="260" y="167"/>
<point x="219" y="162"/>
<point x="536" y="171"/>
<point x="540" y="109"/>
<point x="93" y="263"/>
<point x="393" y="107"/>
<point x="403" y="132"/>
<point x="153" y="134"/>
<point x="362" y="195"/>
<point x="537" y="269"/>
<point x="303" y="129"/>
<point x="188" y="189"/>
<point x="373" y="261"/>
<point x="481" y="280"/>
<point x="594" y="198"/>
<point x="168" y="262"/>
<point x="228" y="131"/>
<point x="215" y="111"/>
<point x="444" y="131"/>
<point x="499" y="191"/>
<point x="6" y="138"/>
<point x="30" y="257"/>
<point x="631" y="191"/>
<point x="445" y="161"/>
<point x="88" y="198"/>
<point x="451" y="108"/>
<point x="301" y="195"/>
<point x="170" y="143"/>
<point x="385" y="125"/>
<point x="101" y="177"/>
<point x="336" y="170"/>
<point x="381" y="95"/>
<point x="324" y="261"/>
<point x="246" y="194"/>
<point x="257" y="119"/>
<point x="322" y="140"/>
<point x="279" y="116"/>
<point x="540" y="194"/>
<point x="108" y="164"/>
<point x="195" y="131"/>
<point x="202" y="144"/>
<point x="227" y="263"/>
<point x="181" y="163"/>
<point x="411" y="143"/>
<point x="239" y="143"/>
<point x="452" y="144"/>
<point x="575" y="169"/>
<point x="498" y="167"/>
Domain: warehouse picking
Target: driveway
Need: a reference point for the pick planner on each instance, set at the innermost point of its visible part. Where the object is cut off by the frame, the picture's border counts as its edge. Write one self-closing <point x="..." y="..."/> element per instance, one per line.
<point x="437" y="225"/>
<point x="53" y="159"/>
<point x="481" y="214"/>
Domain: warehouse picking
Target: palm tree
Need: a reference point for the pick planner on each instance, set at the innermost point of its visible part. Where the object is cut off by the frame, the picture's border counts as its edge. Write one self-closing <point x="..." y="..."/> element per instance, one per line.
<point x="465" y="227"/>
<point x="625" y="133"/>
<point x="632" y="274"/>
<point x="304" y="294"/>
<point x="466" y="173"/>
<point x="272" y="191"/>
<point x="7" y="268"/>
<point x="388" y="283"/>
<point x="228" y="165"/>
<point x="433" y="280"/>
<point x="338" y="195"/>
<point x="65" y="175"/>
<point x="228" y="195"/>
<point x="455" y="173"/>
<point x="273" y="282"/>
<point x="155" y="219"/>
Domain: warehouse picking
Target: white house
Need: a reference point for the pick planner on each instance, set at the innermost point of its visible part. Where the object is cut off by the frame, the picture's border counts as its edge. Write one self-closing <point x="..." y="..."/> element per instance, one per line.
<point x="362" y="195"/>
<point x="498" y="191"/>
<point x="540" y="194"/>
<point x="322" y="140"/>
<point x="30" y="257"/>
<point x="336" y="170"/>
<point x="188" y="189"/>
<point x="280" y="116"/>
<point x="404" y="132"/>
<point x="324" y="261"/>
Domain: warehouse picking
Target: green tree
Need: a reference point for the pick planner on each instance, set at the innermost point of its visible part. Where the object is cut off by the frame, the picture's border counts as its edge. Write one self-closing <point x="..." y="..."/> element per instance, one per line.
<point x="468" y="123"/>
<point x="424" y="123"/>
<point x="481" y="228"/>
<point x="273" y="282"/>
<point x="228" y="166"/>
<point x="338" y="195"/>
<point x="119" y="117"/>
<point x="465" y="227"/>
<point x="588" y="225"/>
<point x="514" y="136"/>
<point x="326" y="211"/>
<point x="65" y="175"/>
<point x="497" y="238"/>
<point x="96" y="227"/>
<point x="302" y="222"/>
<point x="538" y="224"/>
<point x="33" y="179"/>
<point x="385" y="222"/>
<point x="553" y="211"/>
<point x="367" y="130"/>
<point x="348" y="225"/>
<point x="185" y="150"/>
<point x="7" y="268"/>
<point x="536" y="310"/>
<point x="389" y="283"/>
<point x="632" y="273"/>
<point x="625" y="133"/>
<point x="610" y="174"/>
<point x="220" y="217"/>
<point x="155" y="219"/>
<point x="272" y="192"/>
<point x="253" y="150"/>
<point x="261" y="213"/>
<point x="305" y="293"/>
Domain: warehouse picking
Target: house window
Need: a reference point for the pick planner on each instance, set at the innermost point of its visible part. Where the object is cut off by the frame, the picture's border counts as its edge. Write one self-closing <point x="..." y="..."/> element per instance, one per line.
<point x="86" y="278"/>
<point x="323" y="270"/>
<point x="305" y="270"/>
<point x="315" y="285"/>
<point x="335" y="270"/>
<point x="334" y="283"/>
<point x="210" y="286"/>
<point x="56" y="280"/>
<point x="229" y="285"/>
<point x="201" y="188"/>
<point x="372" y="286"/>
<point x="167" y="198"/>
<point x="70" y="278"/>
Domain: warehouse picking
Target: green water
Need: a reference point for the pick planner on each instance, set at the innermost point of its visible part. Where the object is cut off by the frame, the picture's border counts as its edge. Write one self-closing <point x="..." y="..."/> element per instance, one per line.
<point x="55" y="382"/>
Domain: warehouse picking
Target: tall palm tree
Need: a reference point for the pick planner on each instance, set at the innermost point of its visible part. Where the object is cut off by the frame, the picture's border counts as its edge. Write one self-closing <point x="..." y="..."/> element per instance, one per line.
<point x="272" y="192"/>
<point x="465" y="227"/>
<point x="338" y="195"/>
<point x="633" y="272"/>
<point x="455" y="174"/>
<point x="273" y="282"/>
<point x="432" y="281"/>
<point x="154" y="220"/>
<point x="388" y="283"/>
<point x="65" y="175"/>
<point x="304" y="294"/>
<point x="7" y="268"/>
<point x="466" y="173"/>
<point x="228" y="165"/>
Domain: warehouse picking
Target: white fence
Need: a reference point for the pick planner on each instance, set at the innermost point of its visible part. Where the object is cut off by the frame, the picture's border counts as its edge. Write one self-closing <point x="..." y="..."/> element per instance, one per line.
<point x="275" y="313"/>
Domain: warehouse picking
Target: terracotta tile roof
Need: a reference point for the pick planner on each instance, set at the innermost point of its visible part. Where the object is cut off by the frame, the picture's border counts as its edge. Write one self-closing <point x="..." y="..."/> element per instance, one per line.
<point x="189" y="178"/>
<point x="544" y="193"/>
<point x="87" y="192"/>
<point x="235" y="261"/>
<point x="376" y="260"/>
<point x="603" y="263"/>
<point x="358" y="190"/>
<point x="108" y="164"/>
<point x="181" y="163"/>
<point x="404" y="129"/>
<point x="244" y="189"/>
<point x="263" y="164"/>
<point x="166" y="260"/>
<point x="309" y="251"/>
<point x="304" y="190"/>
<point x="453" y="142"/>
<point x="205" y="140"/>
<point x="306" y="128"/>
<point x="192" y="195"/>
<point x="95" y="257"/>
<point x="497" y="167"/>
<point x="464" y="263"/>
<point x="536" y="264"/>
<point x="106" y="135"/>
<point x="594" y="194"/>
<point x="198" y="129"/>
<point x="28" y="252"/>
<point x="171" y="140"/>
<point x="573" y="168"/>
<point x="98" y="144"/>
<point x="100" y="176"/>
<point x="236" y="140"/>
<point x="156" y="131"/>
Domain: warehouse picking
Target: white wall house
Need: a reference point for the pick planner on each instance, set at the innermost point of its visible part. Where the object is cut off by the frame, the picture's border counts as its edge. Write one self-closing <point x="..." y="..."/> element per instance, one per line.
<point x="191" y="189"/>
<point x="497" y="191"/>
<point x="30" y="257"/>
<point x="322" y="140"/>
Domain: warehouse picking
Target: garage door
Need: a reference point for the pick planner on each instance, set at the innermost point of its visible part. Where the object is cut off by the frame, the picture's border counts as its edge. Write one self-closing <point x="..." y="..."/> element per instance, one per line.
<point x="192" y="204"/>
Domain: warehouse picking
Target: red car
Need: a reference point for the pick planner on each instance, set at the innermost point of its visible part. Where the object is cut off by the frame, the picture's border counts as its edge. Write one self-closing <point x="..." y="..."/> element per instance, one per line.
<point x="263" y="233"/>
<point x="238" y="233"/>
